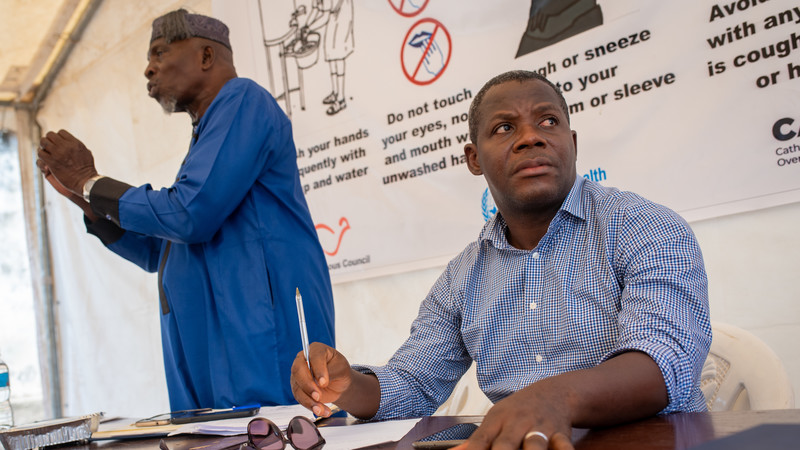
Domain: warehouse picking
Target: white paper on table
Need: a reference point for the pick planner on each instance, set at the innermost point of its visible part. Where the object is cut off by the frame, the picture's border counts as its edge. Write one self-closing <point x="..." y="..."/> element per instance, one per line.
<point x="336" y="437"/>
<point x="364" y="434"/>
<point x="280" y="415"/>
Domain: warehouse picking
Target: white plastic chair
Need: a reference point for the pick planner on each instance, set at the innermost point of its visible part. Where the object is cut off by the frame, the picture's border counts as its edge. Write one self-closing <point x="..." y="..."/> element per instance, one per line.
<point x="743" y="373"/>
<point x="467" y="398"/>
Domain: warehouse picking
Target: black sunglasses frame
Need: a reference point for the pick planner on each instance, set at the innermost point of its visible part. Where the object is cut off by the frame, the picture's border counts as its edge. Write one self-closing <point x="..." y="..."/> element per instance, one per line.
<point x="284" y="438"/>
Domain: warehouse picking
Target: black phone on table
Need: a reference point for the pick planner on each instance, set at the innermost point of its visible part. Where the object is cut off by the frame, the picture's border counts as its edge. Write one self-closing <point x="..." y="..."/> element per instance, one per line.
<point x="198" y="415"/>
<point x="447" y="438"/>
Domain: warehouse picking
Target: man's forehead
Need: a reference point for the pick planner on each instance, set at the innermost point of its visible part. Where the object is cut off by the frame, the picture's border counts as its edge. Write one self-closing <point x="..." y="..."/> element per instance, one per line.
<point x="521" y="87"/>
<point x="513" y="91"/>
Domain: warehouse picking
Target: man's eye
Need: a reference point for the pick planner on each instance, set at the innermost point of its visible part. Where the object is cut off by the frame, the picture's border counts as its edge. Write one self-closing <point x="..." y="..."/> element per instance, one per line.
<point x="550" y="122"/>
<point x="502" y="128"/>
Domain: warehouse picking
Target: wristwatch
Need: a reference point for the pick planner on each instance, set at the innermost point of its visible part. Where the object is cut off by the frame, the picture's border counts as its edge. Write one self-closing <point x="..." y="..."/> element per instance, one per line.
<point x="87" y="187"/>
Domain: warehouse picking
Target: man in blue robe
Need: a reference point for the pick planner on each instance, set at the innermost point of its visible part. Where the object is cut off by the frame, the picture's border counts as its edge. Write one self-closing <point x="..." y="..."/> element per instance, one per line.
<point x="231" y="239"/>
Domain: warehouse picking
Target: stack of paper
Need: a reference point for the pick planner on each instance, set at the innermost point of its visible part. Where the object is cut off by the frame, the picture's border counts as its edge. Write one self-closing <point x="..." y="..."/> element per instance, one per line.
<point x="336" y="437"/>
<point x="344" y="437"/>
<point x="280" y="415"/>
<point x="130" y="430"/>
<point x="364" y="434"/>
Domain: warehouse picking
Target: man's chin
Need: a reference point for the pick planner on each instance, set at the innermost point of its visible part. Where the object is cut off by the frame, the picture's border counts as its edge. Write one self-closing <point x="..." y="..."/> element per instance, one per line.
<point x="540" y="199"/>
<point x="169" y="105"/>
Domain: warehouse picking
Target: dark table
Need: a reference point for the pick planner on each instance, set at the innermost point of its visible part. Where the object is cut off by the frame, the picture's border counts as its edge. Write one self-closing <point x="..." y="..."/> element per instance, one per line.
<point x="673" y="431"/>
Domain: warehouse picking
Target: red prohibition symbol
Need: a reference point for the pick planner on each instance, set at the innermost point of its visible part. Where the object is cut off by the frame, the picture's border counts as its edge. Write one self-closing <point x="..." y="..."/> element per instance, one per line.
<point x="426" y="51"/>
<point x="408" y="8"/>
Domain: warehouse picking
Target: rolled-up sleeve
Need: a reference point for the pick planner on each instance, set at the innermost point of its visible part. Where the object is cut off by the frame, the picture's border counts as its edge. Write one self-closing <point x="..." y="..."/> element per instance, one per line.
<point x="664" y="305"/>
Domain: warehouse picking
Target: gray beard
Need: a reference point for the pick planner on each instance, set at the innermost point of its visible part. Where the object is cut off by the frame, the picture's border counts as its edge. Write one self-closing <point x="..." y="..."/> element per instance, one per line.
<point x="169" y="105"/>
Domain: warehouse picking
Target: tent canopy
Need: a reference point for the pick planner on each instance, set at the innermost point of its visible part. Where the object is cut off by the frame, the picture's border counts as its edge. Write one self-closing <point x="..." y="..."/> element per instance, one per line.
<point x="43" y="32"/>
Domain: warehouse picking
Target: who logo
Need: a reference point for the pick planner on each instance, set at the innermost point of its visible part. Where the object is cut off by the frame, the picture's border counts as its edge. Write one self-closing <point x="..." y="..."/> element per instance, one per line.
<point x="488" y="208"/>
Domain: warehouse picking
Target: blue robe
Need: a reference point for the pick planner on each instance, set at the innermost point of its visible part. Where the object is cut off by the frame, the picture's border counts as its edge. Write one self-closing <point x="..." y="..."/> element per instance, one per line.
<point x="231" y="240"/>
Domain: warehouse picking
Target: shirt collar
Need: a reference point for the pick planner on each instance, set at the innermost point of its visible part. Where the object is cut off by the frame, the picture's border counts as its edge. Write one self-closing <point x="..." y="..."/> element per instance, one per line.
<point x="573" y="204"/>
<point x="495" y="229"/>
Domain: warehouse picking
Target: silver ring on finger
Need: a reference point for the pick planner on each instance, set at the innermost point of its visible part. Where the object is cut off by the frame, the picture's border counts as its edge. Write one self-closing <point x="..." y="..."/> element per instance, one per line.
<point x="531" y="434"/>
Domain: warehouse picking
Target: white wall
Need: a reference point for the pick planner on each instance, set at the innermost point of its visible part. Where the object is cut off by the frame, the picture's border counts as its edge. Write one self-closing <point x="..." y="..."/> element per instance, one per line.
<point x="108" y="308"/>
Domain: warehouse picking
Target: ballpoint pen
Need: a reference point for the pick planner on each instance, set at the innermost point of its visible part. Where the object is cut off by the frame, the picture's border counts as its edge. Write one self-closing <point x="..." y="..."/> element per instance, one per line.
<point x="303" y="330"/>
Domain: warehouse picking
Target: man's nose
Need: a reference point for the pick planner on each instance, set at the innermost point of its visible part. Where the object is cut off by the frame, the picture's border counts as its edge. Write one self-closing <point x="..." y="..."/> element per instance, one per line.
<point x="529" y="136"/>
<point x="149" y="71"/>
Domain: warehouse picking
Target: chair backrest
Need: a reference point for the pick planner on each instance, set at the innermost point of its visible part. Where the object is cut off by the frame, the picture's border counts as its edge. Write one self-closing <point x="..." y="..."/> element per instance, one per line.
<point x="467" y="398"/>
<point x="743" y="373"/>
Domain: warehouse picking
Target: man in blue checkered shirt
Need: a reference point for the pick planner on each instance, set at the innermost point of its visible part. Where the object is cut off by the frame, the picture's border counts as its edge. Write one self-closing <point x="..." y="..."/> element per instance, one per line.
<point x="581" y="305"/>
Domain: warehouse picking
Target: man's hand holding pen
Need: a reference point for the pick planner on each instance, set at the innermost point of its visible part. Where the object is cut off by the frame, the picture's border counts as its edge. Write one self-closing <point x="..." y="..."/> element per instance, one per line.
<point x="331" y="377"/>
<point x="332" y="380"/>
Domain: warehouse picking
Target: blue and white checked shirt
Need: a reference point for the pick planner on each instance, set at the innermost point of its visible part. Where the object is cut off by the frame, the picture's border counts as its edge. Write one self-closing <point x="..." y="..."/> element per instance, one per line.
<point x="614" y="272"/>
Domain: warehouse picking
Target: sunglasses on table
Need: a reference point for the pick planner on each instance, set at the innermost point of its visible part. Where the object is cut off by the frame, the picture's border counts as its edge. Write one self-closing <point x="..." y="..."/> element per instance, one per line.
<point x="301" y="434"/>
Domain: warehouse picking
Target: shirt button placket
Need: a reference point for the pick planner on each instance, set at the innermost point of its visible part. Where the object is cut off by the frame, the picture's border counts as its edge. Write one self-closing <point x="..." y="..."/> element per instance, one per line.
<point x="536" y="288"/>
<point x="534" y="257"/>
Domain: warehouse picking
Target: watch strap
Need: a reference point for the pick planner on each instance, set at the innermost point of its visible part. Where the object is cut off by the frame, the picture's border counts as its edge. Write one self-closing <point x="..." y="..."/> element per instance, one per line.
<point x="87" y="187"/>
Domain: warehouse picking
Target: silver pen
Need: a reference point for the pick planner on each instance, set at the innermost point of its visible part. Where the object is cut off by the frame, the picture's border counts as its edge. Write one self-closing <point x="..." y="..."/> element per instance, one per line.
<point x="303" y="330"/>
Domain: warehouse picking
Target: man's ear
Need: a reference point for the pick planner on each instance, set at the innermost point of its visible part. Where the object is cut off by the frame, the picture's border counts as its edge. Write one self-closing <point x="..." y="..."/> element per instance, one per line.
<point x="575" y="142"/>
<point x="471" y="152"/>
<point x="208" y="57"/>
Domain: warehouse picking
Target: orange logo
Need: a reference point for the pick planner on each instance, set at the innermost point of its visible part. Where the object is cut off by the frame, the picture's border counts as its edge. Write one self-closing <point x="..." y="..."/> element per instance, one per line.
<point x="332" y="239"/>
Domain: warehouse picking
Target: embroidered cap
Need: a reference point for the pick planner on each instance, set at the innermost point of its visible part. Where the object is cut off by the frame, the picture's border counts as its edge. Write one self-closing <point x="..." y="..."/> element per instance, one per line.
<point x="180" y="24"/>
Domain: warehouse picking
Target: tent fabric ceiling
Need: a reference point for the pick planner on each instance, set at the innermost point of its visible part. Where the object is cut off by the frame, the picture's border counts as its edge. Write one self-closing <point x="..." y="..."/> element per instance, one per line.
<point x="34" y="34"/>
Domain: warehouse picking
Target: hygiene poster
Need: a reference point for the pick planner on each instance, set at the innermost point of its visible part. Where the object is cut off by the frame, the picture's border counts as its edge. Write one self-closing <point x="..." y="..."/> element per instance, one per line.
<point x="692" y="104"/>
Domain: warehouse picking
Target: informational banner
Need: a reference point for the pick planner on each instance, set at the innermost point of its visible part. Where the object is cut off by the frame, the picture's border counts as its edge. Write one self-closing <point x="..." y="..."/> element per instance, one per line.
<point x="692" y="104"/>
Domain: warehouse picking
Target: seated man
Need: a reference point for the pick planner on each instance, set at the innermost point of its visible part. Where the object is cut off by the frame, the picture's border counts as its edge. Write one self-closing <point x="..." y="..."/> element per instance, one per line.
<point x="581" y="305"/>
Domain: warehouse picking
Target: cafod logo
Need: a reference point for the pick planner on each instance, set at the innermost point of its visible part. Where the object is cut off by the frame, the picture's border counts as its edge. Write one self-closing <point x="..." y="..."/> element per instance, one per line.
<point x="331" y="237"/>
<point x="788" y="153"/>
<point x="488" y="208"/>
<point x="785" y="129"/>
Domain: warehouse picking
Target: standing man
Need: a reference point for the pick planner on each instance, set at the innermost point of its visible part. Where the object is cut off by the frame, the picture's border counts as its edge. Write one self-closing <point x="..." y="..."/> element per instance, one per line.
<point x="231" y="239"/>
<point x="581" y="305"/>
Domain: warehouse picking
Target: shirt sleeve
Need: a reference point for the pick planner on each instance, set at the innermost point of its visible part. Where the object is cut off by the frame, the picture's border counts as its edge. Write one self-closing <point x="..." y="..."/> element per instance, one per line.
<point x="233" y="148"/>
<point x="141" y="250"/>
<point x="664" y="304"/>
<point x="423" y="372"/>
